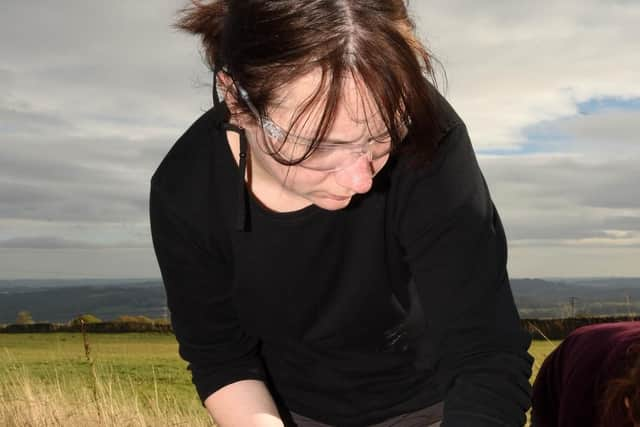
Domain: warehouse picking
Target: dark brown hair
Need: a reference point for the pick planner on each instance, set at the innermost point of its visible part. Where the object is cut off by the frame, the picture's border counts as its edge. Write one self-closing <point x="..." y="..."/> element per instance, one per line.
<point x="266" y="44"/>
<point x="612" y="408"/>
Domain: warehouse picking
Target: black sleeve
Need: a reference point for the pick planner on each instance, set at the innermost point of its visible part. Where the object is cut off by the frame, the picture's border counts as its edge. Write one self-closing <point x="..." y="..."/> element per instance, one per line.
<point x="198" y="289"/>
<point x="456" y="249"/>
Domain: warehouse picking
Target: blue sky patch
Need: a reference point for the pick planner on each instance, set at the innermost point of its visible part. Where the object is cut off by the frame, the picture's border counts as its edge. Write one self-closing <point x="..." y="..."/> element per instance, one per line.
<point x="606" y="103"/>
<point x="541" y="137"/>
<point x="546" y="137"/>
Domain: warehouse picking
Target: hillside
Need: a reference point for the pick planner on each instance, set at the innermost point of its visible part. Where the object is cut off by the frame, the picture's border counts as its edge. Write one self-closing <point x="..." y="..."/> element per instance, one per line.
<point x="59" y="300"/>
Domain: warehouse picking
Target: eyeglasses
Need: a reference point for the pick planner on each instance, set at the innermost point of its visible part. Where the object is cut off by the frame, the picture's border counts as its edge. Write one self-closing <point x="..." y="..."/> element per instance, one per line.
<point x="329" y="155"/>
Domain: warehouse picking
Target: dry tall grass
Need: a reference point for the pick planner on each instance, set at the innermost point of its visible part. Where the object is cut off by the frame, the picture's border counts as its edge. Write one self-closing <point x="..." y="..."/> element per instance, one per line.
<point x="27" y="401"/>
<point x="102" y="400"/>
<point x="97" y="394"/>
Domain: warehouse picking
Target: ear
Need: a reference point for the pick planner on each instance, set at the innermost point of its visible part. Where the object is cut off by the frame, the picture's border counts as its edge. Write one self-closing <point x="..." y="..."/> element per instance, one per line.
<point x="626" y="402"/>
<point x="229" y="96"/>
<point x="225" y="87"/>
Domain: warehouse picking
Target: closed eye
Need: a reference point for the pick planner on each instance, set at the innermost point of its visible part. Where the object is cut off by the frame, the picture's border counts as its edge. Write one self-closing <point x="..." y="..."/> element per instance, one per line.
<point x="335" y="142"/>
<point x="329" y="143"/>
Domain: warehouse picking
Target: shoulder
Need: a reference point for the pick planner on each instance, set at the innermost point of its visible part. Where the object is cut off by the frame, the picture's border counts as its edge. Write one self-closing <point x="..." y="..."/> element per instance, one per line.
<point x="600" y="342"/>
<point x="187" y="149"/>
<point x="453" y="177"/>
<point x="450" y="134"/>
<point x="608" y="333"/>
<point x="181" y="179"/>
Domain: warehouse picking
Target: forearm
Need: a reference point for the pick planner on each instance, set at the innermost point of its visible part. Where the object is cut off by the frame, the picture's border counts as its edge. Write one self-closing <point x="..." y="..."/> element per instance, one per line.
<point x="245" y="403"/>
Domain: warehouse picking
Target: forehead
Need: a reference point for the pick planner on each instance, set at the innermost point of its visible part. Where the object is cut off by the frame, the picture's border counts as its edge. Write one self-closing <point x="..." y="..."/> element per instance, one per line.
<point x="355" y="105"/>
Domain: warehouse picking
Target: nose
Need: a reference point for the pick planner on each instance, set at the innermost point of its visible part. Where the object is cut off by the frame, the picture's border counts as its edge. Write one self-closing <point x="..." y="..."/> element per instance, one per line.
<point x="357" y="177"/>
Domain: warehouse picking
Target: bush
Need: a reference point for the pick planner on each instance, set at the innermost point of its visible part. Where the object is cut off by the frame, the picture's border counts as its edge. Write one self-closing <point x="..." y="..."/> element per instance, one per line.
<point x="31" y="327"/>
<point x="162" y="321"/>
<point x="87" y="318"/>
<point x="134" y="319"/>
<point x="24" y="318"/>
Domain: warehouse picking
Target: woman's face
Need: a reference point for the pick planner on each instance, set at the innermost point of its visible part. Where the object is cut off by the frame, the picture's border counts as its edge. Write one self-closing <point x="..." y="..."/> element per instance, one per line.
<point x="327" y="190"/>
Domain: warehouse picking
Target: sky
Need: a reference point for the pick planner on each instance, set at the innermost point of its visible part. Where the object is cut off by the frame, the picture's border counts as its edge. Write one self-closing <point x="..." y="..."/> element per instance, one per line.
<point x="93" y="95"/>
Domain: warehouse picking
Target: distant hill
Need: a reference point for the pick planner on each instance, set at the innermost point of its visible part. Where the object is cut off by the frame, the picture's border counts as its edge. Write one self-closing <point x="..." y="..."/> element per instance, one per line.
<point x="536" y="298"/>
<point x="62" y="303"/>
<point x="60" y="300"/>
<point x="611" y="282"/>
<point x="59" y="283"/>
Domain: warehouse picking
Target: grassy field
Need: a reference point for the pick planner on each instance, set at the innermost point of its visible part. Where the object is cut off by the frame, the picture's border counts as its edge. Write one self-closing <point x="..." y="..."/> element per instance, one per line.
<point x="129" y="379"/>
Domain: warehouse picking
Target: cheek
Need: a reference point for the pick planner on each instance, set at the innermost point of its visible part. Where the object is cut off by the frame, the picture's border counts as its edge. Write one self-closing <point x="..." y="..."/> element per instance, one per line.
<point x="308" y="178"/>
<point x="301" y="179"/>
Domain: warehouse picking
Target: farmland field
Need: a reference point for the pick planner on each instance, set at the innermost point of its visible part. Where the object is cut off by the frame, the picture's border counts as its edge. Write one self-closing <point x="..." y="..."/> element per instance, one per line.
<point x="136" y="379"/>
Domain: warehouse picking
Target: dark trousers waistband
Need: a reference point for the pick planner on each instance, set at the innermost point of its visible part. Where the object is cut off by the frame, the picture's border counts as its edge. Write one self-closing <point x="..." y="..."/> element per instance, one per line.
<point x="431" y="416"/>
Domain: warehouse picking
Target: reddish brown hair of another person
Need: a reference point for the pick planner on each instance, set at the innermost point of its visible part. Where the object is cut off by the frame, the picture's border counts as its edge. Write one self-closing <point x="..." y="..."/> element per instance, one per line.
<point x="613" y="409"/>
<point x="266" y="44"/>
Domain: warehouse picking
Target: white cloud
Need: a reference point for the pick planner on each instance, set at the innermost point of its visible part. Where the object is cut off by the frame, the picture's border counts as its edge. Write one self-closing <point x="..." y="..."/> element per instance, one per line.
<point x="512" y="64"/>
<point x="88" y="108"/>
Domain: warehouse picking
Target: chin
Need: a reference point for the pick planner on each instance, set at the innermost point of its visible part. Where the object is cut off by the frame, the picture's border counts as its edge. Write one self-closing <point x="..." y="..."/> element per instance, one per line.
<point x="331" y="204"/>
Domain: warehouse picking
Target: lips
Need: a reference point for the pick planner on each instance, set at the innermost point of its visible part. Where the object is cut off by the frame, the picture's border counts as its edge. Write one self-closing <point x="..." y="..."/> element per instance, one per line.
<point x="334" y="197"/>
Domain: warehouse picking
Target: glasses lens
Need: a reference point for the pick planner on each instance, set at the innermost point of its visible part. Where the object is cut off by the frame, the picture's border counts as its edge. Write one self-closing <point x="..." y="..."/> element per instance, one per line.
<point x="340" y="156"/>
<point x="328" y="159"/>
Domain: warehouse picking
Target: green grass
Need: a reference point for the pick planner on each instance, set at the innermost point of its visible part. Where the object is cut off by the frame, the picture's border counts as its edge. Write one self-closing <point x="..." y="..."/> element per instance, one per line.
<point x="133" y="357"/>
<point x="142" y="361"/>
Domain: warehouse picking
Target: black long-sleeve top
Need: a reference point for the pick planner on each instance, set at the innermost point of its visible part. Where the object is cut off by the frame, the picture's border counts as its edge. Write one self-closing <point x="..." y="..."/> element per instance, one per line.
<point x="398" y="301"/>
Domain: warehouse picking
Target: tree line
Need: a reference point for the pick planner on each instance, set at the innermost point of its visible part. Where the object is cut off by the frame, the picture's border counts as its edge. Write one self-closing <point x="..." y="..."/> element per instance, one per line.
<point x="124" y="323"/>
<point x="550" y="329"/>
